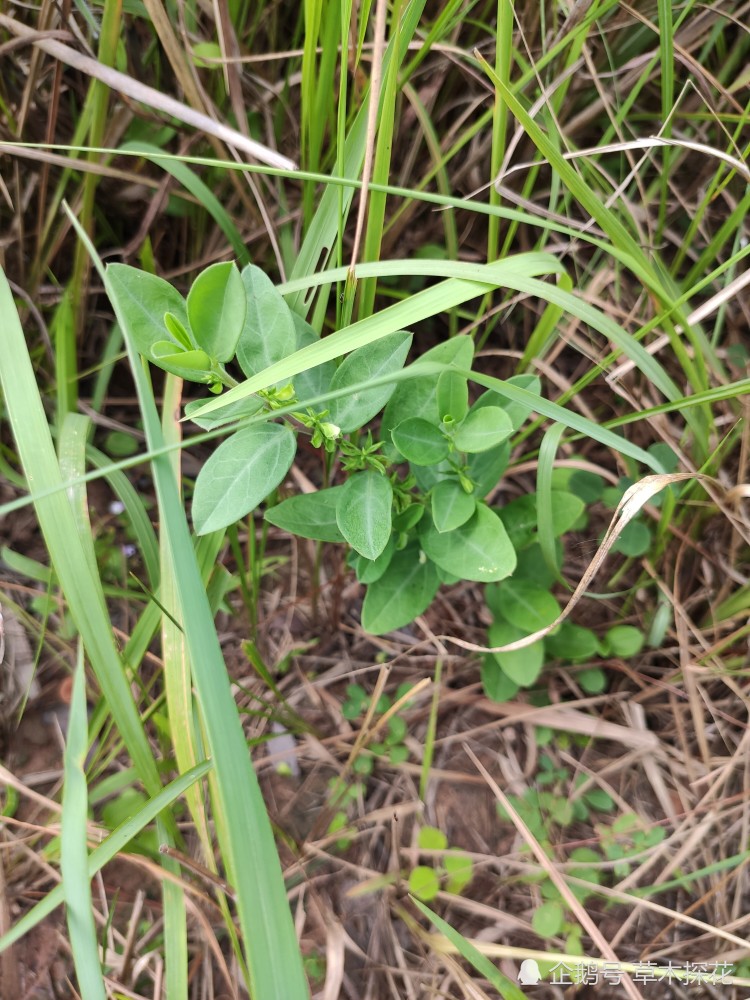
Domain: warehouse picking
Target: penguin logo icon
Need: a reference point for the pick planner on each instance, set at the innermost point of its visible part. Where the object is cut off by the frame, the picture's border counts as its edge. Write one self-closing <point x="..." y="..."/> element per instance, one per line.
<point x="529" y="974"/>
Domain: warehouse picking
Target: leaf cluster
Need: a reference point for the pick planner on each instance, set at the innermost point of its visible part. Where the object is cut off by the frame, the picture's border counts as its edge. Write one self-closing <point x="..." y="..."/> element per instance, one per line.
<point x="525" y="603"/>
<point x="412" y="504"/>
<point x="453" y="869"/>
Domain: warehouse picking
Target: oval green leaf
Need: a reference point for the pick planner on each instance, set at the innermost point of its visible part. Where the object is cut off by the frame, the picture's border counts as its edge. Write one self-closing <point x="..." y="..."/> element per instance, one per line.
<point x="452" y="506"/>
<point x="309" y="515"/>
<point x="572" y="642"/>
<point x="404" y="591"/>
<point x="566" y="510"/>
<point x="458" y="351"/>
<point x="634" y="539"/>
<point x="483" y="428"/>
<point x="478" y="550"/>
<point x="424" y="883"/>
<point x="372" y="361"/>
<point x="495" y="682"/>
<point x="363" y="512"/>
<point x="624" y="640"/>
<point x="526" y="605"/>
<point x="459" y="867"/>
<point x="548" y="919"/>
<point x="216" y="306"/>
<point x="166" y="350"/>
<point x="420" y="442"/>
<point x="485" y="468"/>
<point x="268" y="334"/>
<point x="142" y="299"/>
<point x="418" y="396"/>
<point x="370" y="570"/>
<point x="430" y="838"/>
<point x="522" y="666"/>
<point x="409" y="518"/>
<point x="240" y="474"/>
<point x="195" y="366"/>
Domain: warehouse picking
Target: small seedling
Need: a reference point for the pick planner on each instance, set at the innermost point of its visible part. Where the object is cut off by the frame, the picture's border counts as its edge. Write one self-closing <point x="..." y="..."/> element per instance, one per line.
<point x="547" y="809"/>
<point x="454" y="869"/>
<point x="524" y="603"/>
<point x="390" y="742"/>
<point x="626" y="837"/>
<point x="343" y="795"/>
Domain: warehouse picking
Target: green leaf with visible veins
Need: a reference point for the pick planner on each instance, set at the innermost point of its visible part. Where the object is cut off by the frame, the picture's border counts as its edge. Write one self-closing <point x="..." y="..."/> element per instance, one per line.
<point x="216" y="306"/>
<point x="309" y="515"/>
<point x="142" y="300"/>
<point x="526" y="605"/>
<point x="404" y="591"/>
<point x="268" y="333"/>
<point x="483" y="429"/>
<point x="452" y="506"/>
<point x="523" y="666"/>
<point x="361" y="366"/>
<point x="478" y="550"/>
<point x="240" y="474"/>
<point x="363" y="512"/>
<point x="420" y="442"/>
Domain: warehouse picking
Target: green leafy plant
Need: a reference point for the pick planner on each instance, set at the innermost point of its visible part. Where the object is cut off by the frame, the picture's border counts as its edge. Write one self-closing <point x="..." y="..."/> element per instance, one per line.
<point x="626" y="837"/>
<point x="525" y="603"/>
<point x="343" y="793"/>
<point x="454" y="869"/>
<point x="342" y="796"/>
<point x="412" y="504"/>
<point x="549" y="804"/>
<point x="549" y="807"/>
<point x="390" y="743"/>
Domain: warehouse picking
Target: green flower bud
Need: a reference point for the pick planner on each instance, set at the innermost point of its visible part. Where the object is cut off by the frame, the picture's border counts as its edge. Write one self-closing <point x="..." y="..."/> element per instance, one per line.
<point x="330" y="431"/>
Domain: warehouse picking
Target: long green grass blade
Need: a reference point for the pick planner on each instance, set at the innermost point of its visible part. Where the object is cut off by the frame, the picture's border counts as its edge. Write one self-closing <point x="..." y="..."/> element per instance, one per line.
<point x="198" y="188"/>
<point x="402" y="315"/>
<point x="322" y="233"/>
<point x="386" y="120"/>
<point x="179" y="694"/>
<point x="69" y="558"/>
<point x="248" y="849"/>
<point x="73" y="848"/>
<point x="504" y="986"/>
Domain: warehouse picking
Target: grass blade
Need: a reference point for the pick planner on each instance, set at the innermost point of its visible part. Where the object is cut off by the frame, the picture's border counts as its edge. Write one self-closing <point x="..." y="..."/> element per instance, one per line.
<point x="504" y="986"/>
<point x="108" y="849"/>
<point x="198" y="188"/>
<point x="72" y="566"/>
<point x="246" y="838"/>
<point x="73" y="851"/>
<point x="400" y="316"/>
